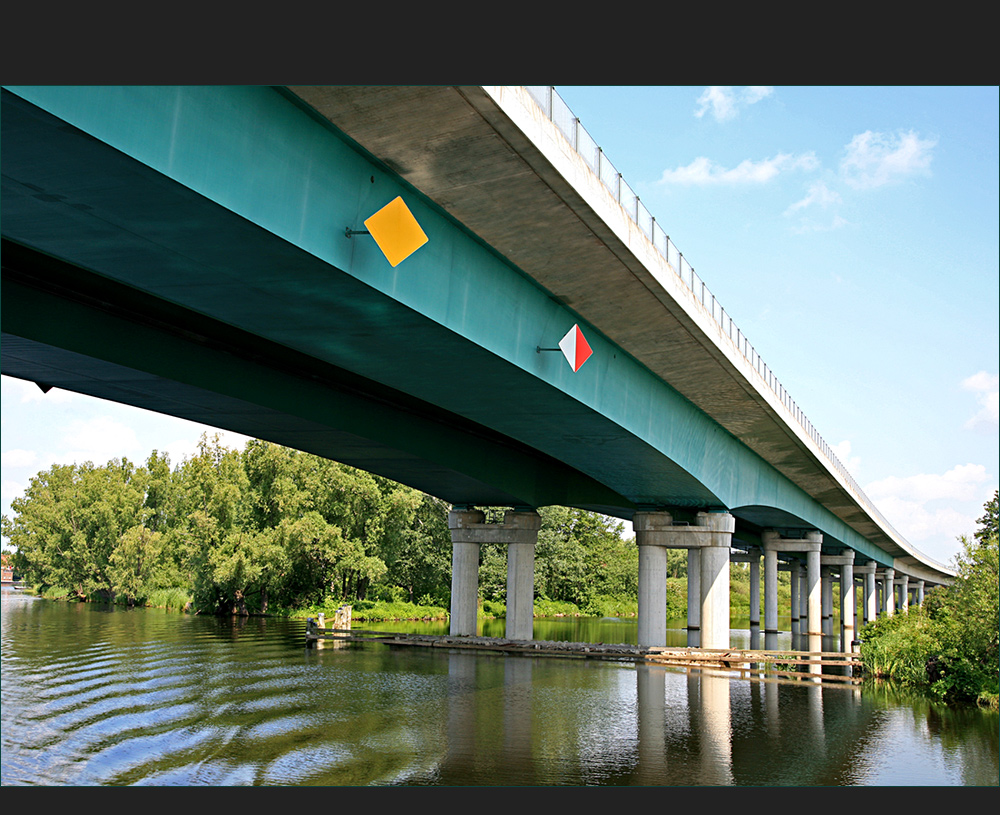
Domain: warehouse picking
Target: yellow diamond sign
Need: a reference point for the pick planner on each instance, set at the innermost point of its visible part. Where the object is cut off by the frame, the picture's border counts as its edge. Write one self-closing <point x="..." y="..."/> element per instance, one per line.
<point x="396" y="231"/>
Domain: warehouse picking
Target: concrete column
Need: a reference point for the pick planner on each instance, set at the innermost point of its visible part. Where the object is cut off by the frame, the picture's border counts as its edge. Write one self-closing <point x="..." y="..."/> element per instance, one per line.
<point x="889" y="592"/>
<point x="652" y="595"/>
<point x="844" y="563"/>
<point x="650" y="538"/>
<point x="795" y="583"/>
<point x="814" y="611"/>
<point x="711" y="533"/>
<point x="520" y="532"/>
<point x="826" y="599"/>
<point x="771" y="597"/>
<point x="920" y="592"/>
<point x="694" y="598"/>
<point x="752" y="558"/>
<point x="803" y="606"/>
<point x="870" y="597"/>
<point x="465" y="540"/>
<point x="468" y="531"/>
<point x="904" y="592"/>
<point x="811" y="544"/>
<point x="848" y="605"/>
<point x="715" y="581"/>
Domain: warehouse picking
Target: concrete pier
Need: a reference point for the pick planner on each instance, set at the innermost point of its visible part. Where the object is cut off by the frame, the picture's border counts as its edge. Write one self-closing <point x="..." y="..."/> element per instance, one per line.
<point x="810" y="545"/>
<point x="519" y="531"/>
<point x="711" y="535"/>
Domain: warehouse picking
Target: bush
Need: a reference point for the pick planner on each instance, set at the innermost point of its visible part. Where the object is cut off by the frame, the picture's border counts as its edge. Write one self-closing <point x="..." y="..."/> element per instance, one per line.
<point x="950" y="646"/>
<point x="899" y="647"/>
<point x="169" y="598"/>
<point x="556" y="608"/>
<point x="605" y="606"/>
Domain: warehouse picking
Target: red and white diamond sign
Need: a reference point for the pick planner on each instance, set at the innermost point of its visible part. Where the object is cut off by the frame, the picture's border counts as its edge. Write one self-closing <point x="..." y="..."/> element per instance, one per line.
<point x="575" y="348"/>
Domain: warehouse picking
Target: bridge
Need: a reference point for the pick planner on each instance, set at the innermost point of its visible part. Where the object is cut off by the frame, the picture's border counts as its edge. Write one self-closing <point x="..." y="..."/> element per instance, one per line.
<point x="211" y="253"/>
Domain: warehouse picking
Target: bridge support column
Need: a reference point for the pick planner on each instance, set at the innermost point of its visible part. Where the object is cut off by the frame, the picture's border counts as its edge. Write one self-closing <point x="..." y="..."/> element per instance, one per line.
<point x="815" y="604"/>
<point x="826" y="599"/>
<point x="848" y="605"/>
<point x="711" y="535"/>
<point x="754" y="555"/>
<point x="465" y="540"/>
<point x="869" y="607"/>
<point x="694" y="598"/>
<point x="521" y="535"/>
<point x="903" y="581"/>
<point x="752" y="558"/>
<point x="810" y="595"/>
<point x="468" y="532"/>
<point x="795" y="583"/>
<point x="771" y="594"/>
<point x="715" y="579"/>
<point x="920" y="592"/>
<point x="803" y="604"/>
<point x="810" y="544"/>
<point x="889" y="592"/>
<point x="844" y="563"/>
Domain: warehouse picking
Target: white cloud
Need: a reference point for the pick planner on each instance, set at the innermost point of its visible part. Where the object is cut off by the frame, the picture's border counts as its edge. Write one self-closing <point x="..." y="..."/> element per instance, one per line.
<point x="819" y="195"/>
<point x="932" y="510"/>
<point x="987" y="389"/>
<point x="960" y="483"/>
<point x="725" y="102"/>
<point x="874" y="159"/>
<point x="98" y="440"/>
<point x="705" y="171"/>
<point x="18" y="458"/>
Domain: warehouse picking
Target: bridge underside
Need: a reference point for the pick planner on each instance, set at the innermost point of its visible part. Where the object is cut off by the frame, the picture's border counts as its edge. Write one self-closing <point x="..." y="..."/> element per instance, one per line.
<point x="123" y="281"/>
<point x="123" y="284"/>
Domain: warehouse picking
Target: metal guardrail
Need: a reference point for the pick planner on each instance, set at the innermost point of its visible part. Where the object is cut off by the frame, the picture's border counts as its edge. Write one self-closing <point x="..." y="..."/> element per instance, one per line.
<point x="546" y="97"/>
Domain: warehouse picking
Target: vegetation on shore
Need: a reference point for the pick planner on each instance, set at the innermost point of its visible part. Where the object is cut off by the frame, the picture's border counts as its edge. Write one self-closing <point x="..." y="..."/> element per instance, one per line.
<point x="949" y="646"/>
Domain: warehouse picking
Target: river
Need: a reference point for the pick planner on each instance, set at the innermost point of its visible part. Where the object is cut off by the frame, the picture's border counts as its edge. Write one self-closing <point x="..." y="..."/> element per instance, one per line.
<point x="99" y="696"/>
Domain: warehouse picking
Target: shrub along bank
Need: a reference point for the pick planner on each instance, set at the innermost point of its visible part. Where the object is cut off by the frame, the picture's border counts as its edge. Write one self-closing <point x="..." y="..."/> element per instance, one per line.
<point x="948" y="647"/>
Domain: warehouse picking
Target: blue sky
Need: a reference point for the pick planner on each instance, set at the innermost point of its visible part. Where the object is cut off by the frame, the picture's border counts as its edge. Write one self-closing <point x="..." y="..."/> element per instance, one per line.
<point x="852" y="234"/>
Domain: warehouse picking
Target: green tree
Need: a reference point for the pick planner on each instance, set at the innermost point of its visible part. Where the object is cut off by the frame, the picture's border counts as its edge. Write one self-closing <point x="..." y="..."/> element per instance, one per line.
<point x="136" y="564"/>
<point x="988" y="523"/>
<point x="214" y="543"/>
<point x="71" y="520"/>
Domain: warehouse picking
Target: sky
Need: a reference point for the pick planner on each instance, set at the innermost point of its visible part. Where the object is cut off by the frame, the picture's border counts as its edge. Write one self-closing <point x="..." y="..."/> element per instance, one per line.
<point x="852" y="235"/>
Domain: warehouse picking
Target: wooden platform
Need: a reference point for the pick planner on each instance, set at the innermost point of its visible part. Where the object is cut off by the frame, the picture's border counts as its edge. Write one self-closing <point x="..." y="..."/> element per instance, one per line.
<point x="830" y="666"/>
<point x="827" y="666"/>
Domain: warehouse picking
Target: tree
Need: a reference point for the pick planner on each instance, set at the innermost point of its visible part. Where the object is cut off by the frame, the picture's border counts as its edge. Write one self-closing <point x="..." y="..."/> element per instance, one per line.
<point x="582" y="556"/>
<point x="988" y="523"/>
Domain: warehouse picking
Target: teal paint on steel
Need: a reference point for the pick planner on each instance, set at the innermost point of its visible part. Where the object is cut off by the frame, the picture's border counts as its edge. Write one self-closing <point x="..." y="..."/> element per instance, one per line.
<point x="254" y="153"/>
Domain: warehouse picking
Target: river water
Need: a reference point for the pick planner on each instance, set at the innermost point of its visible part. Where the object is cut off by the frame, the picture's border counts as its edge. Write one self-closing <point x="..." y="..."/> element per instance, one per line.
<point x="98" y="696"/>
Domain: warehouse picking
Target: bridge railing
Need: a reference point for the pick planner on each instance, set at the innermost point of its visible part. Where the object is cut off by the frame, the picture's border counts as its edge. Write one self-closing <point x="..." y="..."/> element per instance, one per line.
<point x="594" y="157"/>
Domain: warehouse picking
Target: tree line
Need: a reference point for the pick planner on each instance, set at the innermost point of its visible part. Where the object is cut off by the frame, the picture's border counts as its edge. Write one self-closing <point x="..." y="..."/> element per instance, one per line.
<point x="266" y="527"/>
